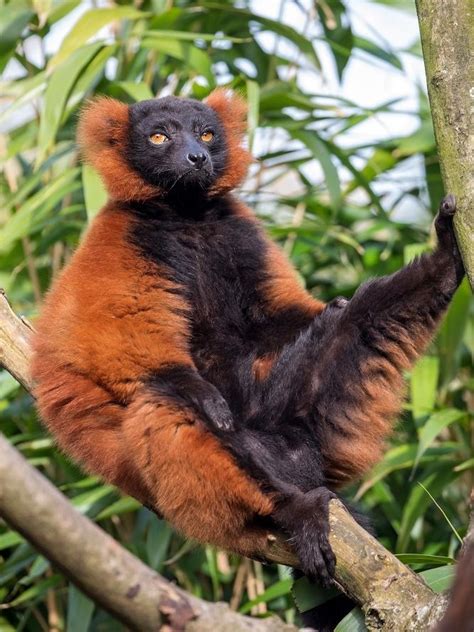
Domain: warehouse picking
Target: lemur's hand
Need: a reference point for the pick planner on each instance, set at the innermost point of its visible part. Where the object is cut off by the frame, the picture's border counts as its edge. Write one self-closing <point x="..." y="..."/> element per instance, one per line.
<point x="215" y="410"/>
<point x="188" y="388"/>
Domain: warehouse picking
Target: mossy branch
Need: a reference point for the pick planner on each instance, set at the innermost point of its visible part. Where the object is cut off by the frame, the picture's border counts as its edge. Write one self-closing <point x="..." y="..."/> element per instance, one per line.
<point x="447" y="38"/>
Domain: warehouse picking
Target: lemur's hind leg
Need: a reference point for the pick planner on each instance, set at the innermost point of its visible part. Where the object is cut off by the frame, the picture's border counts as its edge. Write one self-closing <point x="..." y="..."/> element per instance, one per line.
<point x="408" y="304"/>
<point x="358" y="376"/>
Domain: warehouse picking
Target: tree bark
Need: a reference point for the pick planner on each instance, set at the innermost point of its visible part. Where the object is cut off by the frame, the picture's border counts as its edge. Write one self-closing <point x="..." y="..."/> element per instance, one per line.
<point x="98" y="565"/>
<point x="391" y="595"/>
<point x="447" y="38"/>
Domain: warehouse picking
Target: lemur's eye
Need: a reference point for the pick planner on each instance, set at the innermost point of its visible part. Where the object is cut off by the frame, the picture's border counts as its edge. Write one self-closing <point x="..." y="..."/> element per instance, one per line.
<point x="207" y="136"/>
<point x="159" y="139"/>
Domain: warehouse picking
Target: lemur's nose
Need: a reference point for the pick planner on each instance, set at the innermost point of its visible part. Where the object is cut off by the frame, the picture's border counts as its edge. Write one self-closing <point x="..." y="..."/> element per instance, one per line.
<point x="197" y="160"/>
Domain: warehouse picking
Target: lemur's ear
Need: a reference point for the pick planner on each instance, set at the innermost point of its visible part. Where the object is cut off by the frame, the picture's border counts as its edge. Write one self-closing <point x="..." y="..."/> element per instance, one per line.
<point x="102" y="135"/>
<point x="232" y="112"/>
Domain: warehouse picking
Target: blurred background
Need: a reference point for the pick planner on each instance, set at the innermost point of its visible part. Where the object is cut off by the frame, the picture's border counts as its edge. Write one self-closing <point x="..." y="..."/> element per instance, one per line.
<point x="346" y="180"/>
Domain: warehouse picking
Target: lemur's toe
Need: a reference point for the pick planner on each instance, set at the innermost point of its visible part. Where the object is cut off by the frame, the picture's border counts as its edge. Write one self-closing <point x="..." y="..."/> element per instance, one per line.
<point x="448" y="205"/>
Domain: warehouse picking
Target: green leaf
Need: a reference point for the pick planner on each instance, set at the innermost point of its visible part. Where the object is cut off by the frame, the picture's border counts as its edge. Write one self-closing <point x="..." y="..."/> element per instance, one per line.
<point x="95" y="194"/>
<point x="138" y="91"/>
<point x="466" y="465"/>
<point x="308" y="595"/>
<point x="11" y="538"/>
<point x="402" y="457"/>
<point x="194" y="36"/>
<point x="191" y="55"/>
<point x="88" y="25"/>
<point x="14" y="18"/>
<point x="61" y="9"/>
<point x="451" y="334"/>
<point x="22" y="92"/>
<point x="279" y="589"/>
<point x="423" y="383"/>
<point x="379" y="162"/>
<point x="36" y="591"/>
<point x="439" y="579"/>
<point x="253" y="102"/>
<point x="428" y="432"/>
<point x="88" y="502"/>
<point x="321" y="153"/>
<point x="37" y="207"/>
<point x="121" y="506"/>
<point x="5" y="626"/>
<point x="419" y="501"/>
<point x="304" y="44"/>
<point x="353" y="622"/>
<point x="376" y="51"/>
<point x="337" y="28"/>
<point x="79" y="610"/>
<point x="418" y="558"/>
<point x="277" y="95"/>
<point x="421" y="141"/>
<point x="157" y="542"/>
<point x="59" y="87"/>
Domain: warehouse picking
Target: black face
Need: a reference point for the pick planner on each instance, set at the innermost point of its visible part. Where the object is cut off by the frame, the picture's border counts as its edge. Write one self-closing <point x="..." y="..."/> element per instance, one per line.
<point x="176" y="143"/>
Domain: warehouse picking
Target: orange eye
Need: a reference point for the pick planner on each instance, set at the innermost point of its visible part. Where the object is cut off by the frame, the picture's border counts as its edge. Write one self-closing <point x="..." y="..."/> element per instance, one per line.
<point x="207" y="137"/>
<point x="159" y="139"/>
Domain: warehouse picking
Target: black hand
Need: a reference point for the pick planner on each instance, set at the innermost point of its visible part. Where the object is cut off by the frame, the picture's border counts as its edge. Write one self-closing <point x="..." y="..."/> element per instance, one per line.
<point x="185" y="386"/>
<point x="215" y="409"/>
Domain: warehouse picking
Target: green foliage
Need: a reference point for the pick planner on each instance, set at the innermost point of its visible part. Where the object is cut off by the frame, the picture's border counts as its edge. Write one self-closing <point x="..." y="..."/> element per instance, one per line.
<point x="329" y="202"/>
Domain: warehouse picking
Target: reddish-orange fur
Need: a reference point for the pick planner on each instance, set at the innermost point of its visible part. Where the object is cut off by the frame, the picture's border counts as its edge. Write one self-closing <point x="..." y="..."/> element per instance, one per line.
<point x="102" y="130"/>
<point x="232" y="111"/>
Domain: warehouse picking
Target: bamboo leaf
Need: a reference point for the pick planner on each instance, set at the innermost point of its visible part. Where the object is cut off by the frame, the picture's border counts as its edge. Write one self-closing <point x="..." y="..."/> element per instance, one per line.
<point x="279" y="589"/>
<point x="440" y="579"/>
<point x="321" y="153"/>
<point x="191" y="55"/>
<point x="88" y="25"/>
<point x="428" y="432"/>
<point x="79" y="610"/>
<point x="59" y="87"/>
<point x="95" y="194"/>
<point x="36" y="208"/>
<point x="423" y="383"/>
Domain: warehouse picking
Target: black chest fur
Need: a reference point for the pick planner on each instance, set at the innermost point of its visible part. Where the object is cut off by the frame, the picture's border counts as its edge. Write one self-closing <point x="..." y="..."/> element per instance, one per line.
<point x="218" y="266"/>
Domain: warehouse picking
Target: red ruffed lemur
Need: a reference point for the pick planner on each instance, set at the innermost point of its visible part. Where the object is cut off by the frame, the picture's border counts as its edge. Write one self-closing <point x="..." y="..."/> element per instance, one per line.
<point x="178" y="356"/>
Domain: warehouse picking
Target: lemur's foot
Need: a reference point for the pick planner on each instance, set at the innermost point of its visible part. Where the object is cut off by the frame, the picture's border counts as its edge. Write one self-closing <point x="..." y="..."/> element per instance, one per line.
<point x="338" y="303"/>
<point x="447" y="245"/>
<point x="448" y="205"/>
<point x="444" y="218"/>
<point x="306" y="519"/>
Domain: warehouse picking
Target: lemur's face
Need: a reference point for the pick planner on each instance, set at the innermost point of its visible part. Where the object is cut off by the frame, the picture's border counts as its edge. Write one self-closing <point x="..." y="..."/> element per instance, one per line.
<point x="175" y="143"/>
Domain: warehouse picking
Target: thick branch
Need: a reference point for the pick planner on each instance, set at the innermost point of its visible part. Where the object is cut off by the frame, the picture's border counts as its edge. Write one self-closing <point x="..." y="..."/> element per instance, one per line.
<point x="447" y="37"/>
<point x="391" y="595"/>
<point x="95" y="562"/>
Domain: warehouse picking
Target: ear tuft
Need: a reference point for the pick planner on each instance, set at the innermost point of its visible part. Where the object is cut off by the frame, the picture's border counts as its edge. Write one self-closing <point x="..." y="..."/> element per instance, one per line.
<point x="102" y="122"/>
<point x="231" y="109"/>
<point x="102" y="135"/>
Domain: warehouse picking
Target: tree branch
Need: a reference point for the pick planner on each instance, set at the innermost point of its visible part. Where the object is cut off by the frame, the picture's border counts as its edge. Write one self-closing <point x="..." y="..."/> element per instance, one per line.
<point x="447" y="38"/>
<point x="391" y="595"/>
